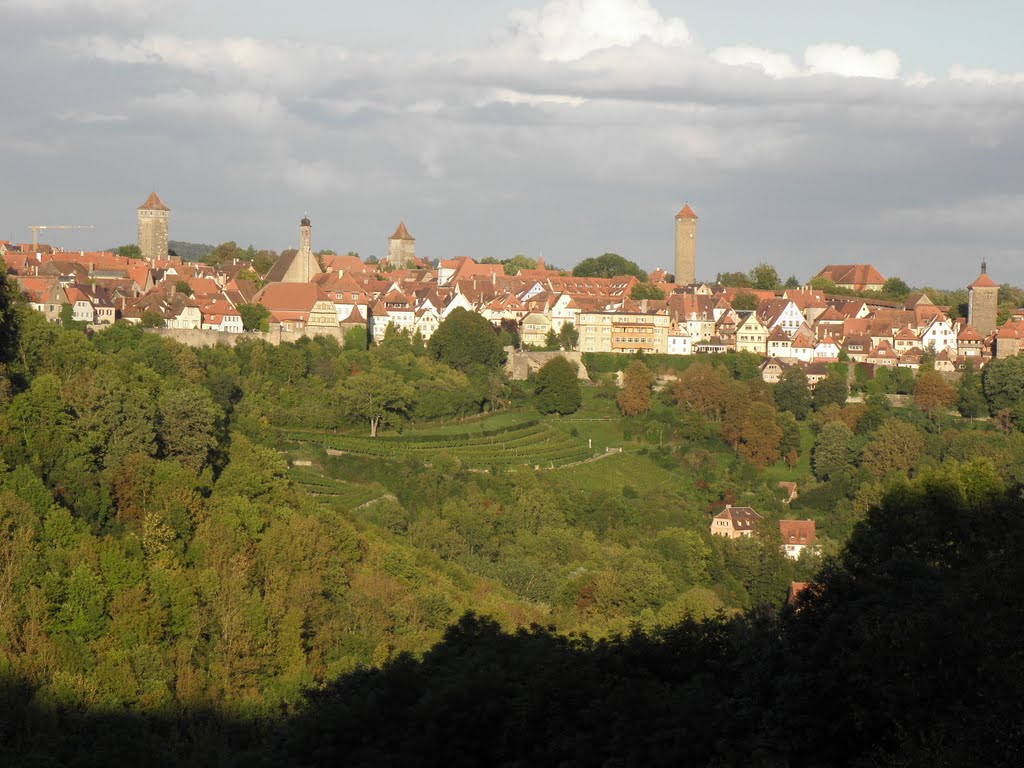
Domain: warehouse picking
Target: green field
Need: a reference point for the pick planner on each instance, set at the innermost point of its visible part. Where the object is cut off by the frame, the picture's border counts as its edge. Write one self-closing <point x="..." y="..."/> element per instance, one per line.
<point x="530" y="442"/>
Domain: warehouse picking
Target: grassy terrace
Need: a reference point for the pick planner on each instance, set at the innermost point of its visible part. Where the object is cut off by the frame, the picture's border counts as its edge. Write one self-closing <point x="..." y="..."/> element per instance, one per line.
<point x="530" y="442"/>
<point x="338" y="494"/>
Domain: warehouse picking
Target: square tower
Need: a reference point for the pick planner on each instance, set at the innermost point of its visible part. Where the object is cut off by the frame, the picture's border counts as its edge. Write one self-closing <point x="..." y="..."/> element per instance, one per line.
<point x="983" y="303"/>
<point x="401" y="248"/>
<point x="686" y="246"/>
<point x="153" y="216"/>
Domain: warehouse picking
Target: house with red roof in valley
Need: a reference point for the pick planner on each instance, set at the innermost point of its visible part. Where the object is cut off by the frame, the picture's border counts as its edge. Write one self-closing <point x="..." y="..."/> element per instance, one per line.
<point x="854" y="277"/>
<point x="969" y="342"/>
<point x="735" y="522"/>
<point x="220" y="315"/>
<point x="797" y="535"/>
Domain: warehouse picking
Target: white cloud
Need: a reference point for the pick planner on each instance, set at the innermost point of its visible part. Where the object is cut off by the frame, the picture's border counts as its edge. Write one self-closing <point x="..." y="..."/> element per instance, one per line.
<point x="274" y="64"/>
<point x="255" y="111"/>
<point x="850" y="61"/>
<point x="568" y="30"/>
<point x="771" y="63"/>
<point x="89" y="118"/>
<point x="963" y="74"/>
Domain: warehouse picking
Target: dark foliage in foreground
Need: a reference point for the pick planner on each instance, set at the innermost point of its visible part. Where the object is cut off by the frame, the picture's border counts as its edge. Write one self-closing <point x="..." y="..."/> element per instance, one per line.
<point x="907" y="653"/>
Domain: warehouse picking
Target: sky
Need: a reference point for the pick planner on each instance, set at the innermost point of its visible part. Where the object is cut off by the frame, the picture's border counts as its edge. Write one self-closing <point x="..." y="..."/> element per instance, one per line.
<point x="802" y="132"/>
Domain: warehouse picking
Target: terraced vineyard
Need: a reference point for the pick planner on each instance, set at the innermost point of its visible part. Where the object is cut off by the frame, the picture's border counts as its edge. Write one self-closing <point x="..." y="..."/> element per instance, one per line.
<point x="532" y="443"/>
<point x="338" y="494"/>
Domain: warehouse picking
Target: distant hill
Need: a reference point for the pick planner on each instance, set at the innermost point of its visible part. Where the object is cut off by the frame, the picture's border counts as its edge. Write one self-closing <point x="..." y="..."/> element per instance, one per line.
<point x="189" y="251"/>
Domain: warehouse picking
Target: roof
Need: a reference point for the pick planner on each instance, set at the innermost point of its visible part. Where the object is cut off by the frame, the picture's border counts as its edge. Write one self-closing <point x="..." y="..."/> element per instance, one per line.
<point x="153" y="203"/>
<point x="852" y="274"/>
<point x="686" y="213"/>
<point x="983" y="281"/>
<point x="743" y="518"/>
<point x="797" y="531"/>
<point x="401" y="233"/>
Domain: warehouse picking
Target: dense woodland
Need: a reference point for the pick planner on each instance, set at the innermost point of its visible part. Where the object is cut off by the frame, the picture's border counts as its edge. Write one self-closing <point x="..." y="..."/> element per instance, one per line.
<point x="171" y="586"/>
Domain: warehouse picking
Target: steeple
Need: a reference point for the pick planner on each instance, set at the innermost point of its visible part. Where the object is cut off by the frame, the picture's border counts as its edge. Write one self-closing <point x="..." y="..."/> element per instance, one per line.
<point x="305" y="234"/>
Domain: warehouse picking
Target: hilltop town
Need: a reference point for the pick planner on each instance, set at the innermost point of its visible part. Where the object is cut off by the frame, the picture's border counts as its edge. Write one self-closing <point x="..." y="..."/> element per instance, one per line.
<point x="303" y="293"/>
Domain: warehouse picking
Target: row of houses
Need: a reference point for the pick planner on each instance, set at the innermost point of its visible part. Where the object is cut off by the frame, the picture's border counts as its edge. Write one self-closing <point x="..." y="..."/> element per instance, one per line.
<point x="303" y="292"/>
<point x="743" y="522"/>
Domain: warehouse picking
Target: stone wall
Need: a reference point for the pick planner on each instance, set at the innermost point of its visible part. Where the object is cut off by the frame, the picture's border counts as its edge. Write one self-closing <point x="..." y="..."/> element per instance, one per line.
<point x="193" y="337"/>
<point x="519" y="364"/>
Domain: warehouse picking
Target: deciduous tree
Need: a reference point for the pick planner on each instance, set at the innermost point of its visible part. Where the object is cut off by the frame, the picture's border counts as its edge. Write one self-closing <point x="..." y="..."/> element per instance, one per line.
<point x="635" y="396"/>
<point x="557" y="388"/>
<point x="933" y="394"/>
<point x="379" y="397"/>
<point x="465" y="338"/>
<point x="792" y="393"/>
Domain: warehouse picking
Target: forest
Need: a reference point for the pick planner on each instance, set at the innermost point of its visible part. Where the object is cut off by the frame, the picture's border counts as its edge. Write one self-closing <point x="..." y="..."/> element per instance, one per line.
<point x="316" y="553"/>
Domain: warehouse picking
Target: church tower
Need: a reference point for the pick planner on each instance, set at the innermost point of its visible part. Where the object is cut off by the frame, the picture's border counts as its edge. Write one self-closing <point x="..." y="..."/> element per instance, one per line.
<point x="401" y="248"/>
<point x="152" y="217"/>
<point x="305" y="232"/>
<point x="983" y="303"/>
<point x="686" y="246"/>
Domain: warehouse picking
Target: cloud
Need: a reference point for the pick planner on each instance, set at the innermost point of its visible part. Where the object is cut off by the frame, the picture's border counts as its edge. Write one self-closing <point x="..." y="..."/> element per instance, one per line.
<point x="771" y="63"/>
<point x="89" y="118"/>
<point x="568" y="30"/>
<point x="850" y="61"/>
<point x="963" y="74"/>
<point x="274" y="64"/>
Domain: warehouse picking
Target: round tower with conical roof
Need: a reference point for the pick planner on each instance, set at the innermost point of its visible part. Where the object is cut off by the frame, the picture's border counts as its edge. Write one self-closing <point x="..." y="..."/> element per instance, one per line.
<point x="686" y="246"/>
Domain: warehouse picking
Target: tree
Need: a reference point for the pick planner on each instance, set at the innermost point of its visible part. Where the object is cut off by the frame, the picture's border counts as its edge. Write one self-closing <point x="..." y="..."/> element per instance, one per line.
<point x="9" y="320"/>
<point x="152" y="319"/>
<point x="182" y="286"/>
<point x="568" y="337"/>
<point x="896" y="447"/>
<point x="129" y="251"/>
<point x="518" y="262"/>
<point x="791" y="282"/>
<point x="643" y="291"/>
<point x="187" y="425"/>
<point x="355" y="338"/>
<point x="792" y="393"/>
<point x="254" y="317"/>
<point x="833" y="389"/>
<point x="789" y="443"/>
<point x="551" y="340"/>
<point x="896" y="288"/>
<point x="970" y="398"/>
<point x="608" y="265"/>
<point x="932" y="393"/>
<point x="744" y="301"/>
<point x="557" y="388"/>
<point x="759" y="437"/>
<point x="635" y="396"/>
<point x="224" y="253"/>
<point x="1002" y="382"/>
<point x="701" y="388"/>
<point x="465" y="338"/>
<point x="379" y="397"/>
<point x="733" y="279"/>
<point x="263" y="261"/>
<point x="833" y="451"/>
<point x="764" y="277"/>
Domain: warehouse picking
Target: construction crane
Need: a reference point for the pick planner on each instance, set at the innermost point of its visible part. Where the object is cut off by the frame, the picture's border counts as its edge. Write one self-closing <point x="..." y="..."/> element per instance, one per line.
<point x="36" y="227"/>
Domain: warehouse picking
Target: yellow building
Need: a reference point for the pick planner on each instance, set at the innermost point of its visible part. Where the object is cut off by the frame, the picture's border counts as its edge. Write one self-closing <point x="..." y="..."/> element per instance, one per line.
<point x="751" y="335"/>
<point x="625" y="332"/>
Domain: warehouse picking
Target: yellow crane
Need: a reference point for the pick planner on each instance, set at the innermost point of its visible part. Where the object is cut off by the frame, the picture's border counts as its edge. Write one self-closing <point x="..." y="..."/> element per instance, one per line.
<point x="36" y="227"/>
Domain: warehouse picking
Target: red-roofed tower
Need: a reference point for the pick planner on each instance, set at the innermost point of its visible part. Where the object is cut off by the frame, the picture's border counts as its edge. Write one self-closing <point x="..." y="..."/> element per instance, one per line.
<point x="686" y="246"/>
<point x="153" y="216"/>
<point x="983" y="303"/>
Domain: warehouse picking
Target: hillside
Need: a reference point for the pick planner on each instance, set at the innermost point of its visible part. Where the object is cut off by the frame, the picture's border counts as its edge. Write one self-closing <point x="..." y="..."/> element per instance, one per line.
<point x="189" y="251"/>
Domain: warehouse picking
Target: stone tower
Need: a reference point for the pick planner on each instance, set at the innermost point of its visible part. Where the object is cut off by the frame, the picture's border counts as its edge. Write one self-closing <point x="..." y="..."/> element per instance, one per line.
<point x="298" y="266"/>
<point x="686" y="246"/>
<point x="983" y="303"/>
<point x="401" y="248"/>
<point x="153" y="215"/>
<point x="305" y="232"/>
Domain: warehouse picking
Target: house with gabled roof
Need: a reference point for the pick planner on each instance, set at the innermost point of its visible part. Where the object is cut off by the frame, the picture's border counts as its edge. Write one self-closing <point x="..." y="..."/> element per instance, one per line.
<point x="969" y="342"/>
<point x="735" y="522"/>
<point x="854" y="277"/>
<point x="797" y="535"/>
<point x="751" y="335"/>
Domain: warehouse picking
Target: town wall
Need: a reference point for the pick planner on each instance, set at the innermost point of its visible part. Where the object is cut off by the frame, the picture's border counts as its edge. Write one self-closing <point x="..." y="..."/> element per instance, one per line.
<point x="520" y="363"/>
<point x="194" y="337"/>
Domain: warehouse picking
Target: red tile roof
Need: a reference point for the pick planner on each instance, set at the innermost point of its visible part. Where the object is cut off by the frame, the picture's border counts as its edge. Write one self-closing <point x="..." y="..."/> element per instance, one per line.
<point x="686" y="213"/>
<point x="401" y="233"/>
<point x="153" y="203"/>
<point x="983" y="281"/>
